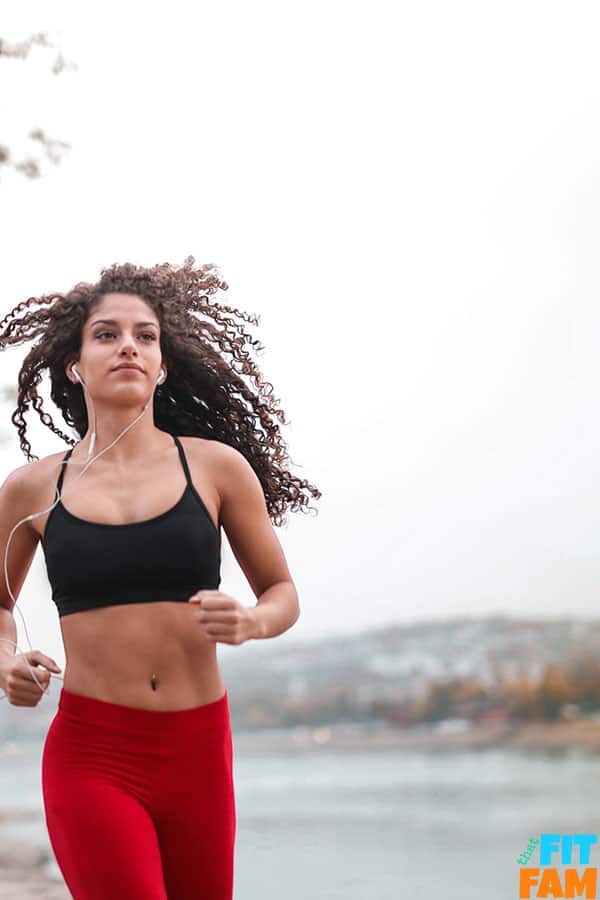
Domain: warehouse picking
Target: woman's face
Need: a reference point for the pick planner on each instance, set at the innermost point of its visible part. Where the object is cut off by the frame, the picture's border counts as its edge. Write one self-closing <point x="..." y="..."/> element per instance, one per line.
<point x="132" y="335"/>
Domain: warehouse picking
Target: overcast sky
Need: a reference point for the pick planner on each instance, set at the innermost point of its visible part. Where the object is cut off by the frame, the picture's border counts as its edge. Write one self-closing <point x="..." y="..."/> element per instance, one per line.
<point x="408" y="196"/>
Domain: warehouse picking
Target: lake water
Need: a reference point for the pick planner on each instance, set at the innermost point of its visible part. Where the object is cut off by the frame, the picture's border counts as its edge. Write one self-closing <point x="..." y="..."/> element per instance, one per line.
<point x="381" y="825"/>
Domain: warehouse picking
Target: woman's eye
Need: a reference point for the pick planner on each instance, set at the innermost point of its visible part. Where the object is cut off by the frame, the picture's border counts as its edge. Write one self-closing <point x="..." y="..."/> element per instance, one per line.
<point x="148" y="334"/>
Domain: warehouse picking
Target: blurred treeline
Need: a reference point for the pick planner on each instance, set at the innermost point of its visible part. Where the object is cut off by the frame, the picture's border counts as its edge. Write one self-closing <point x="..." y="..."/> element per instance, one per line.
<point x="557" y="693"/>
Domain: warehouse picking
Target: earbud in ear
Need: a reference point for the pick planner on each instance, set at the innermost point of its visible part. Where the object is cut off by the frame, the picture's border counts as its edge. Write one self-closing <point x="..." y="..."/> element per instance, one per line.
<point x="75" y="372"/>
<point x="161" y="377"/>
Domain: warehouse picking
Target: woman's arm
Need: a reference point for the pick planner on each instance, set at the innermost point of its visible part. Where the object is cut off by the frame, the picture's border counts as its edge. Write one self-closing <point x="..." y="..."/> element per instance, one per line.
<point x="15" y="504"/>
<point x="245" y="519"/>
<point x="277" y="610"/>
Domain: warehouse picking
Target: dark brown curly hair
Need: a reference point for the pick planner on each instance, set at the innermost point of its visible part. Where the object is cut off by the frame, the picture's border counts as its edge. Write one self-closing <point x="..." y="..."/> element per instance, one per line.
<point x="204" y="395"/>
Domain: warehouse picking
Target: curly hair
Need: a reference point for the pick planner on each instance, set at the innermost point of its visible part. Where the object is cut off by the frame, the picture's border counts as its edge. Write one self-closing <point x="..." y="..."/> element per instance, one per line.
<point x="204" y="396"/>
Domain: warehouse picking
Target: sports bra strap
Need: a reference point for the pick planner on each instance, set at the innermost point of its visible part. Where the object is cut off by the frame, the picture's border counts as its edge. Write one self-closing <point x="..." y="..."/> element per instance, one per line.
<point x="183" y="460"/>
<point x="62" y="471"/>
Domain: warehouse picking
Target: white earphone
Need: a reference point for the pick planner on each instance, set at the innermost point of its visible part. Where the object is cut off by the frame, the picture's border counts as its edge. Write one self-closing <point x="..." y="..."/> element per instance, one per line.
<point x="85" y="465"/>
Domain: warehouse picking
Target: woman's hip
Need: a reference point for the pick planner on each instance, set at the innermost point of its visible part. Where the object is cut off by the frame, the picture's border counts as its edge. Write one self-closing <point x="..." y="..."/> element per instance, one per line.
<point x="89" y="737"/>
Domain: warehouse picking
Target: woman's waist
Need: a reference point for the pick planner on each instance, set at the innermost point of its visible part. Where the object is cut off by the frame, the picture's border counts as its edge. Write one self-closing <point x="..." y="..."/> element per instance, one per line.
<point x="154" y="688"/>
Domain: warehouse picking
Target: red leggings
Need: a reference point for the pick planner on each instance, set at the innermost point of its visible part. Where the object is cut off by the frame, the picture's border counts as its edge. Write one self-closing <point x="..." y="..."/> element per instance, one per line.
<point x="139" y="803"/>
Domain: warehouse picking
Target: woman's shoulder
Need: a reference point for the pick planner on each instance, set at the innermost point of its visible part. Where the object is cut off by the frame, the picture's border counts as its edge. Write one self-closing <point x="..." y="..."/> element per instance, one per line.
<point x="32" y="473"/>
<point x="211" y="449"/>
<point x="27" y="480"/>
<point x="224" y="465"/>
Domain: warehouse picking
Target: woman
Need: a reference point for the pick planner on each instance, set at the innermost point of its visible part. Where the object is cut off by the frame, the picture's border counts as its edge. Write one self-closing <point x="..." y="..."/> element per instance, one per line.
<point x="137" y="763"/>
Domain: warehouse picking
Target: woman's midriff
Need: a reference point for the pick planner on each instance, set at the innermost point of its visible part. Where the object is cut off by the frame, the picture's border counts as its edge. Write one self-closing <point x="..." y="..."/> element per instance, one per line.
<point x="146" y="655"/>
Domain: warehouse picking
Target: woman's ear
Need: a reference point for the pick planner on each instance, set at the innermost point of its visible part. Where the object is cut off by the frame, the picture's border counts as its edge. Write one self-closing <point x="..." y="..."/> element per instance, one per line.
<point x="68" y="371"/>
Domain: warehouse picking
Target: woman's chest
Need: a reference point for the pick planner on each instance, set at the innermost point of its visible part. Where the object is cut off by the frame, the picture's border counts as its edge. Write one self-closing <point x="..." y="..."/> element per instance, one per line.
<point x="132" y="497"/>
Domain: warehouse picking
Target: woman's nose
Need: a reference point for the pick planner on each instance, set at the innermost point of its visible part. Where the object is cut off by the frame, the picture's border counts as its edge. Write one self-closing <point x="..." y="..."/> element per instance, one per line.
<point x="127" y="343"/>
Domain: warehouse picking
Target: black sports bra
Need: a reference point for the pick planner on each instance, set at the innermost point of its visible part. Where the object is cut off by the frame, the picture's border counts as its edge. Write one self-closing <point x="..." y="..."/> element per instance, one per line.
<point x="168" y="557"/>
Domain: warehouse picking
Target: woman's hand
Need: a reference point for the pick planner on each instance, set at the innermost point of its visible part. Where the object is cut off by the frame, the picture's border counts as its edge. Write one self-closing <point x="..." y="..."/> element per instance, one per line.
<point x="16" y="679"/>
<point x="222" y="618"/>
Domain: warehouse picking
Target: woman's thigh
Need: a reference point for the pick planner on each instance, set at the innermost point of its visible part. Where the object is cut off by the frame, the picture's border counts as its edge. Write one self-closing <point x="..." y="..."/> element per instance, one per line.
<point x="101" y="832"/>
<point x="195" y="816"/>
